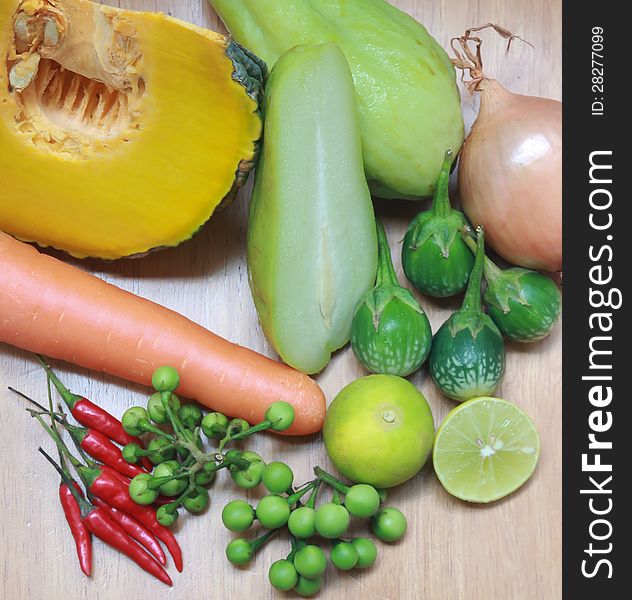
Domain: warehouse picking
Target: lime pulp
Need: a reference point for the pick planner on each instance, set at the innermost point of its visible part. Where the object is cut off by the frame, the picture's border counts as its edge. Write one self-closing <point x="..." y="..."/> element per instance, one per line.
<point x="485" y="449"/>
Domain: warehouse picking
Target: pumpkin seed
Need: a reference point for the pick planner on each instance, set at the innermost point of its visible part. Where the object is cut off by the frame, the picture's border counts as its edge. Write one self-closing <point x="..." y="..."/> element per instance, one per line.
<point x="21" y="29"/>
<point x="51" y="32"/>
<point x="24" y="71"/>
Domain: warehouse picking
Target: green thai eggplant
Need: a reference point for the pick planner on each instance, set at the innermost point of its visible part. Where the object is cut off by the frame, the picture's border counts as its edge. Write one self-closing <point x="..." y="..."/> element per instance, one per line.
<point x="435" y="257"/>
<point x="524" y="304"/>
<point x="408" y="101"/>
<point x="312" y="248"/>
<point x="390" y="332"/>
<point x="467" y="358"/>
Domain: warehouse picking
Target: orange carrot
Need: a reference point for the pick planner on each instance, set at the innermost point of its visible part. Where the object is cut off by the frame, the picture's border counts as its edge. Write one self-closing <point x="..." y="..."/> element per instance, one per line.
<point x="52" y="308"/>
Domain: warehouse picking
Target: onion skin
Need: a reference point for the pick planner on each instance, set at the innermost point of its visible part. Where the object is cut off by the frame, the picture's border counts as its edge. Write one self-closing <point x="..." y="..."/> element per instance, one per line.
<point x="510" y="176"/>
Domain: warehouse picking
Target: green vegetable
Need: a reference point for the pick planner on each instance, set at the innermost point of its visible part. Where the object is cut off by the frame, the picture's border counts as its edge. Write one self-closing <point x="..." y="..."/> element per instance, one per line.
<point x="312" y="249"/>
<point x="166" y="516"/>
<point x="250" y="477"/>
<point x="367" y="552"/>
<point x="332" y="520"/>
<point x="467" y="358"/>
<point x="214" y="425"/>
<point x="272" y="511"/>
<point x="204" y="477"/>
<point x="282" y="575"/>
<point x="344" y="556"/>
<point x="237" y="426"/>
<point x="239" y="551"/>
<point x="139" y="490"/>
<point x="310" y="561"/>
<point x="133" y="419"/>
<point x="524" y="304"/>
<point x="389" y="525"/>
<point x="238" y="516"/>
<point x="362" y="500"/>
<point x="408" y="102"/>
<point x="131" y="453"/>
<point x="307" y="562"/>
<point x="174" y="487"/>
<point x="390" y="332"/>
<point x="160" y="450"/>
<point x="196" y="500"/>
<point x="165" y="379"/>
<point x="277" y="477"/>
<point x="435" y="257"/>
<point x="302" y="522"/>
<point x="156" y="410"/>
<point x="308" y="587"/>
<point x="190" y="415"/>
<point x="281" y="415"/>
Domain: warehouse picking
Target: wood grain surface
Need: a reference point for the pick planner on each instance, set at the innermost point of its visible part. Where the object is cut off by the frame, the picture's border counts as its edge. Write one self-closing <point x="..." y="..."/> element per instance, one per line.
<point x="508" y="551"/>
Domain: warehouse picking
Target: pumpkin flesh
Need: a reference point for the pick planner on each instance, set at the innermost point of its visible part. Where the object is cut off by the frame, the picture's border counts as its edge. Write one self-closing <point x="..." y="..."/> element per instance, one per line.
<point x="120" y="131"/>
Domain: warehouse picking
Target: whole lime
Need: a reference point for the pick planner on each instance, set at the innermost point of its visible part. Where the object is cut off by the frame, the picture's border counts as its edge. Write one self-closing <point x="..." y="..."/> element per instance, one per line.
<point x="379" y="430"/>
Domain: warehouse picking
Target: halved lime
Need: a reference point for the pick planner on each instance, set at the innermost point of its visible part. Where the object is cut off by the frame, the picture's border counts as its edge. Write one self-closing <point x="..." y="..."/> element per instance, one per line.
<point x="485" y="449"/>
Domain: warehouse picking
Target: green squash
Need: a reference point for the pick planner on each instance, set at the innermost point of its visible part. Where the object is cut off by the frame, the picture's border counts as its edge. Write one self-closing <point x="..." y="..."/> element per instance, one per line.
<point x="312" y="248"/>
<point x="408" y="101"/>
<point x="435" y="257"/>
<point x="390" y="332"/>
<point x="467" y="358"/>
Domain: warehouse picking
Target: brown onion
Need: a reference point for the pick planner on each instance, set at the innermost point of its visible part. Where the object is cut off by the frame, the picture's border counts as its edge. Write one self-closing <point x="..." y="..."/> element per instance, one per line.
<point x="510" y="173"/>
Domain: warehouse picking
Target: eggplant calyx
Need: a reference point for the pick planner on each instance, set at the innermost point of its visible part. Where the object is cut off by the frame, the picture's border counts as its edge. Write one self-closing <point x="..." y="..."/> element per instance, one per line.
<point x="377" y="299"/>
<point x="506" y="287"/>
<point x="474" y="321"/>
<point x="442" y="230"/>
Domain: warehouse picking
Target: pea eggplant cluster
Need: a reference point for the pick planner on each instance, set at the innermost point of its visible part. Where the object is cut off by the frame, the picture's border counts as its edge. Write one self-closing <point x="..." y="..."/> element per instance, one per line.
<point x="303" y="568"/>
<point x="441" y="258"/>
<point x="183" y="468"/>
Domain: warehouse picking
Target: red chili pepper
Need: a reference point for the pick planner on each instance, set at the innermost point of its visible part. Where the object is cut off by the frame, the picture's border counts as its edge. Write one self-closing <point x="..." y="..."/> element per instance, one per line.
<point x="90" y="415"/>
<point x="122" y="478"/>
<point x="104" y="527"/>
<point x="103" y="484"/>
<point x="99" y="522"/>
<point x="100" y="447"/>
<point x="134" y="529"/>
<point x="80" y="533"/>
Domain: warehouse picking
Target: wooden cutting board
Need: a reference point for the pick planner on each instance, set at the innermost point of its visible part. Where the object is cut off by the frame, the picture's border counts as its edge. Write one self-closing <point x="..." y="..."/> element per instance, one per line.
<point x="510" y="550"/>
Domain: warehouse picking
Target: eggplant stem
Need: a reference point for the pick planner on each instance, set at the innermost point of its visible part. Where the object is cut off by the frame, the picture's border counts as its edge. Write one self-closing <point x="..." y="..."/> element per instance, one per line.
<point x="385" y="271"/>
<point x="491" y="270"/>
<point x="441" y="206"/>
<point x="472" y="300"/>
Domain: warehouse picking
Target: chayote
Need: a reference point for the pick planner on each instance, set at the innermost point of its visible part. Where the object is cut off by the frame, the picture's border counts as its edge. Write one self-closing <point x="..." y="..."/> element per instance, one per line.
<point x="408" y="101"/>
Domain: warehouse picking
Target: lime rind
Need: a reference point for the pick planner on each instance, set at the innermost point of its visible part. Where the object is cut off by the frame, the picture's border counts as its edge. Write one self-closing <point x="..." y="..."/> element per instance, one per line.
<point x="485" y="449"/>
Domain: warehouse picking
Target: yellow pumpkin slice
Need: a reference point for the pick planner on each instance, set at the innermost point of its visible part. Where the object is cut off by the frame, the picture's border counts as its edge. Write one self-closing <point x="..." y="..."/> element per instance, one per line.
<point x="120" y="131"/>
